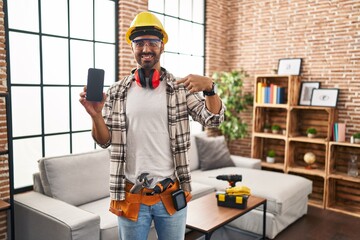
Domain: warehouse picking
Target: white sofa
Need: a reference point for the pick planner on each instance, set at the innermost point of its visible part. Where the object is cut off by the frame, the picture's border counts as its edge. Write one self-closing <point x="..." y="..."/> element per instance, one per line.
<point x="71" y="201"/>
<point x="287" y="195"/>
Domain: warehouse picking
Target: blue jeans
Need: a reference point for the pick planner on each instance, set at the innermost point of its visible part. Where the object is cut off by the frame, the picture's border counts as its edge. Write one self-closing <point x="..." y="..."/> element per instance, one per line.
<point x="167" y="227"/>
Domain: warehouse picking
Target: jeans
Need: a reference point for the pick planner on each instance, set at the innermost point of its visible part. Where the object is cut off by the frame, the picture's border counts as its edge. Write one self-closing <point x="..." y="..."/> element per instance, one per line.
<point x="167" y="227"/>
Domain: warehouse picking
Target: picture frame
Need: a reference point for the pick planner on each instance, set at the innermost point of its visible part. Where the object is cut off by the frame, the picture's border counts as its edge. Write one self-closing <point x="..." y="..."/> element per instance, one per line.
<point x="325" y="97"/>
<point x="289" y="66"/>
<point x="306" y="92"/>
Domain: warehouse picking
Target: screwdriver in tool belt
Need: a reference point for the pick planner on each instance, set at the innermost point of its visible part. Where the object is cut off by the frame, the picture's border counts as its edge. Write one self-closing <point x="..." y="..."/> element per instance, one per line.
<point x="162" y="186"/>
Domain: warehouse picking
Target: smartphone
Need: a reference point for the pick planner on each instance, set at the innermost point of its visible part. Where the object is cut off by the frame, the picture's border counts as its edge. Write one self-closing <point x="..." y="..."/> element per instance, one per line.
<point x="95" y="84"/>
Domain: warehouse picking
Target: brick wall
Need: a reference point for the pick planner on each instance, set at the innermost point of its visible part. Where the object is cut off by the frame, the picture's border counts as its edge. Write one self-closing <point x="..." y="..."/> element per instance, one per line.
<point x="325" y="34"/>
<point x="127" y="12"/>
<point x="4" y="171"/>
<point x="253" y="35"/>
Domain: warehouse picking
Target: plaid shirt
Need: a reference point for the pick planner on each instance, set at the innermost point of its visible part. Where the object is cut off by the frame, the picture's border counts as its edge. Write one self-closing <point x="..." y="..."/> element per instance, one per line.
<point x="180" y="104"/>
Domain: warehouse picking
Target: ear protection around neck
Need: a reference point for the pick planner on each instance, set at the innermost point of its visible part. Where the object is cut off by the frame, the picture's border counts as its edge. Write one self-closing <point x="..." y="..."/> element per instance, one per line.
<point x="154" y="78"/>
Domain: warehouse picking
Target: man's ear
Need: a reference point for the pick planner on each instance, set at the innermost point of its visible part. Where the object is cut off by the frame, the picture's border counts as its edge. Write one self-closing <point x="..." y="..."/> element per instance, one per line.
<point x="162" y="47"/>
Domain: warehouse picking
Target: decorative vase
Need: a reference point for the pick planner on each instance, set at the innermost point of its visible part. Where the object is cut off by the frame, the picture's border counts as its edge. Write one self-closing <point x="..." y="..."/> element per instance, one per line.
<point x="311" y="135"/>
<point x="270" y="159"/>
<point x="353" y="170"/>
<point x="266" y="130"/>
<point x="275" y="131"/>
<point x="356" y="140"/>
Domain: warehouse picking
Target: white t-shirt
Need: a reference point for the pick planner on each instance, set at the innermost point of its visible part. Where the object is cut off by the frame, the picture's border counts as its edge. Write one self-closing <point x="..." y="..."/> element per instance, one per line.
<point x="148" y="143"/>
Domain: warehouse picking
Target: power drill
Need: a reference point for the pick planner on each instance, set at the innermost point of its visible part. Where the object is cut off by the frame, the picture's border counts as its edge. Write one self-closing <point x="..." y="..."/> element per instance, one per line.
<point x="231" y="178"/>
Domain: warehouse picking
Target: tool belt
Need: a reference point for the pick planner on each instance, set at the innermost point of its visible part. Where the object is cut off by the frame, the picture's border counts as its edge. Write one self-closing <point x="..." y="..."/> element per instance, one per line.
<point x="129" y="208"/>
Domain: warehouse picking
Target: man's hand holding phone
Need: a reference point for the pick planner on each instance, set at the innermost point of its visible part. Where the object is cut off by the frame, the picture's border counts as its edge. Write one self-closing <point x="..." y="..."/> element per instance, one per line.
<point x="93" y="97"/>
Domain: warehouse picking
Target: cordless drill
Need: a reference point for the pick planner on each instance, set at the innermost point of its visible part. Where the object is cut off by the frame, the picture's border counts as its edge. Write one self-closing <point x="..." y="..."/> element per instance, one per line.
<point x="231" y="178"/>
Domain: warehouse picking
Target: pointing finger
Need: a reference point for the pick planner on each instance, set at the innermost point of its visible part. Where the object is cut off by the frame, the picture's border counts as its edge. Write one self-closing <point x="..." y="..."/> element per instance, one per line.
<point x="181" y="80"/>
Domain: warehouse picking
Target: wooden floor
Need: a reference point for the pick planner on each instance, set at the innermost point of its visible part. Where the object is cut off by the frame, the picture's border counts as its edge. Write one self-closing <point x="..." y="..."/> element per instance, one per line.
<point x="318" y="224"/>
<point x="321" y="224"/>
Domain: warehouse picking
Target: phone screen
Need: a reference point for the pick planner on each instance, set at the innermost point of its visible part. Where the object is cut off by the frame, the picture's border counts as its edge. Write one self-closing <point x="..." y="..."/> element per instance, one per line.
<point x="95" y="84"/>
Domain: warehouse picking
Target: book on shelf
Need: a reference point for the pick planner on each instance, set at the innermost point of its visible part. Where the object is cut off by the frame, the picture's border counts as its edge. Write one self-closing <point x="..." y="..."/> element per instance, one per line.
<point x="270" y="93"/>
<point x="339" y="132"/>
<point x="259" y="91"/>
<point x="280" y="95"/>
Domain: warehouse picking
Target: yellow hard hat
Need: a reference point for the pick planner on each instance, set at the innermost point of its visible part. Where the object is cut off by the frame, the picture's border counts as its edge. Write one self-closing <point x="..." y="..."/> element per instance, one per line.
<point x="146" y="23"/>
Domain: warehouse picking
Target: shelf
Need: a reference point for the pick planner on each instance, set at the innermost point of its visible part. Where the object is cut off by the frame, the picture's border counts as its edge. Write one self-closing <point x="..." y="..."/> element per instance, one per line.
<point x="344" y="176"/>
<point x="308" y="140"/>
<point x="316" y="203"/>
<point x="271" y="116"/>
<point x="4" y="205"/>
<point x="318" y="196"/>
<point x="339" y="156"/>
<point x="297" y="150"/>
<point x="269" y="135"/>
<point x="279" y="166"/>
<point x="345" y="144"/>
<point x="345" y="209"/>
<point x="303" y="170"/>
<point x="302" y="118"/>
<point x="290" y="84"/>
<point x="344" y="196"/>
<point x="327" y="109"/>
<point x="268" y="105"/>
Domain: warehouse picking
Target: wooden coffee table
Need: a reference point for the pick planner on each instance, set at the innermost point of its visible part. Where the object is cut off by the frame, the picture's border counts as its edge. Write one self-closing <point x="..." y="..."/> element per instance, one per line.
<point x="205" y="216"/>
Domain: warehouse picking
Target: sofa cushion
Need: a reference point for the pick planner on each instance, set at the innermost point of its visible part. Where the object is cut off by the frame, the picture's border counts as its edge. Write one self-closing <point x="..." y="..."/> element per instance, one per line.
<point x="108" y="221"/>
<point x="76" y="178"/>
<point x="38" y="187"/>
<point x="281" y="190"/>
<point x="193" y="153"/>
<point x="213" y="152"/>
<point x="199" y="190"/>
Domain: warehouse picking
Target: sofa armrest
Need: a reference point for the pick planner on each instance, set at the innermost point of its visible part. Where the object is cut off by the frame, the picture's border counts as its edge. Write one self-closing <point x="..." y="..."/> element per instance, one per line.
<point x="39" y="217"/>
<point x="246" y="162"/>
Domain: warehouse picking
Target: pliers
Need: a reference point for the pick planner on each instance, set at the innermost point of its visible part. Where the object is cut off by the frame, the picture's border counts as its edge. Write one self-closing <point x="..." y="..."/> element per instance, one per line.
<point x="141" y="182"/>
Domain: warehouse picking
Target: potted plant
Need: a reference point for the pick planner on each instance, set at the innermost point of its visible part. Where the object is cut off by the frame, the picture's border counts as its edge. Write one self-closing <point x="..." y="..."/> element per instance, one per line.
<point x="267" y="127"/>
<point x="311" y="132"/>
<point x="356" y="137"/>
<point x="230" y="90"/>
<point x="270" y="158"/>
<point x="275" y="128"/>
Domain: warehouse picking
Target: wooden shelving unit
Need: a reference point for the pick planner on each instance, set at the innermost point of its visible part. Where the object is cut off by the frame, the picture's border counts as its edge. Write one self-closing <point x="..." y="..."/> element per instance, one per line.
<point x="4" y="205"/>
<point x="343" y="194"/>
<point x="273" y="114"/>
<point x="333" y="188"/>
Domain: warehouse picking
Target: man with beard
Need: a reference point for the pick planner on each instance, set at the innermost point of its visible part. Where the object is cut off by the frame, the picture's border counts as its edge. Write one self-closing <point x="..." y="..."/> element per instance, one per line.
<point x="145" y="119"/>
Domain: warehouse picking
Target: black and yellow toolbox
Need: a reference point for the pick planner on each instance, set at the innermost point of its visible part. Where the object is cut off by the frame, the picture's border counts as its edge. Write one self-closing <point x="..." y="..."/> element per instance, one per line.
<point x="234" y="197"/>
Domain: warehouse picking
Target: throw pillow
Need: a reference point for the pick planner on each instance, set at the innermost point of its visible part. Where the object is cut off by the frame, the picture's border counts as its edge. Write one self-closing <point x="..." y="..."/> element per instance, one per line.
<point x="213" y="153"/>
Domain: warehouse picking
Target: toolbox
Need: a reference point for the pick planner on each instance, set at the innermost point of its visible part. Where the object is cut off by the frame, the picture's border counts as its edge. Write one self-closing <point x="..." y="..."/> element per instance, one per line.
<point x="232" y="201"/>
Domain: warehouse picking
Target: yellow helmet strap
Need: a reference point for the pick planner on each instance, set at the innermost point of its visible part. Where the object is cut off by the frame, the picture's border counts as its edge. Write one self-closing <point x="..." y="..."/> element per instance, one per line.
<point x="148" y="30"/>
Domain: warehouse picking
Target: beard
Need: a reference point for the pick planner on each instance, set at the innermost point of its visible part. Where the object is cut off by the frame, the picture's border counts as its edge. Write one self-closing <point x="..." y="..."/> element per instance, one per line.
<point x="147" y="60"/>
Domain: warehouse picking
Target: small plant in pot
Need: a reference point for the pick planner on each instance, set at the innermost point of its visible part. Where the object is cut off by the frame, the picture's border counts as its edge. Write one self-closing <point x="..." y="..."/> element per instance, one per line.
<point x="267" y="128"/>
<point x="275" y="128"/>
<point x="311" y="132"/>
<point x="270" y="158"/>
<point x="356" y="137"/>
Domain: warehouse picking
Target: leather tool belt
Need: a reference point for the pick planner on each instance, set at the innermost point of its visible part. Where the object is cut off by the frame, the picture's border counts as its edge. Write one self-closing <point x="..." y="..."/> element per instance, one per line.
<point x="129" y="208"/>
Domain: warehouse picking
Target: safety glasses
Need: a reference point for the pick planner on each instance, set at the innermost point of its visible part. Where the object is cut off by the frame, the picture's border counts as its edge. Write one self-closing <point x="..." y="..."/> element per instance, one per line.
<point x="150" y="42"/>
